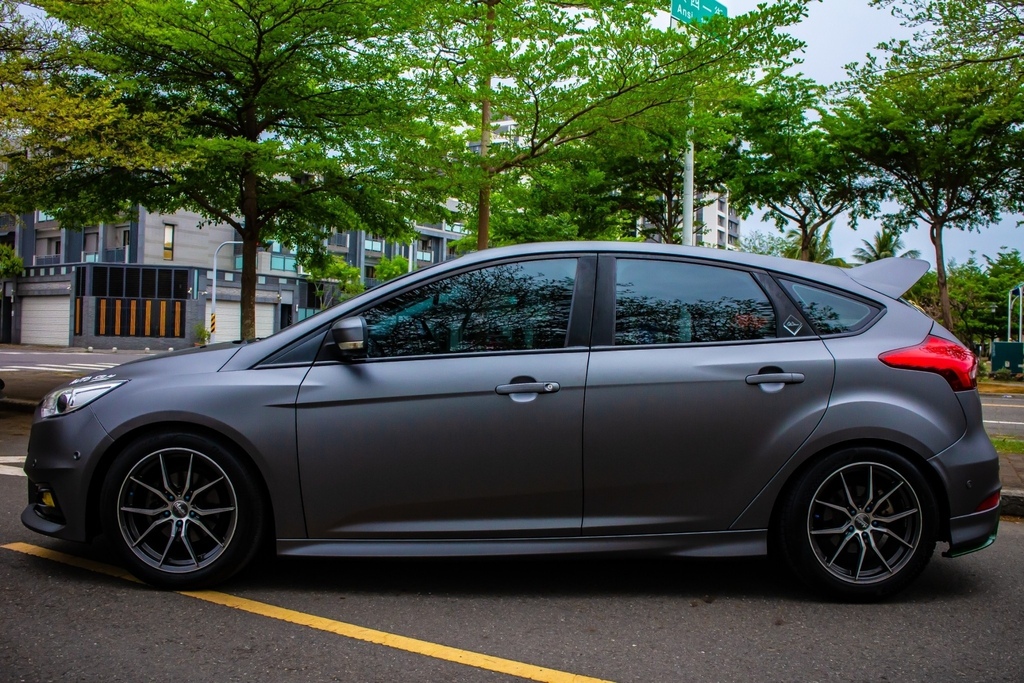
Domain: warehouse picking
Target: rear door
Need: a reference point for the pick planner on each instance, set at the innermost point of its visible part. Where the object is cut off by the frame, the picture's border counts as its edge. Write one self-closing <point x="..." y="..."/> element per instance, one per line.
<point x="703" y="381"/>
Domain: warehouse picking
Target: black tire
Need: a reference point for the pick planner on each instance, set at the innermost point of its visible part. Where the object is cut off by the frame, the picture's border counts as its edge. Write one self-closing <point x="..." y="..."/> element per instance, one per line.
<point x="182" y="511"/>
<point x="853" y="542"/>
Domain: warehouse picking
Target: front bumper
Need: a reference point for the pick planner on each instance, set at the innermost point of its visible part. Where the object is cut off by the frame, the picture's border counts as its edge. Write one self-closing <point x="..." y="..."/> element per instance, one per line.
<point x="63" y="454"/>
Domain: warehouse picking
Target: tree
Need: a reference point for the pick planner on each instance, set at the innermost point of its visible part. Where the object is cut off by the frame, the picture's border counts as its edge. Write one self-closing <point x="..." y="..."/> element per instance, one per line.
<point x="765" y="243"/>
<point x="390" y="268"/>
<point x="557" y="71"/>
<point x="786" y="161"/>
<point x="955" y="33"/>
<point x="282" y="118"/>
<point x="571" y="198"/>
<point x="647" y="159"/>
<point x="946" y="146"/>
<point x="886" y="243"/>
<point x="11" y="264"/>
<point x="818" y="250"/>
<point x="333" y="279"/>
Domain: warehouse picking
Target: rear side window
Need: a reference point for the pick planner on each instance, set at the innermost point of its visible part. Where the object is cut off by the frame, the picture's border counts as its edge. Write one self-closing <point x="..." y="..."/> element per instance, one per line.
<point x="668" y="302"/>
<point x="830" y="313"/>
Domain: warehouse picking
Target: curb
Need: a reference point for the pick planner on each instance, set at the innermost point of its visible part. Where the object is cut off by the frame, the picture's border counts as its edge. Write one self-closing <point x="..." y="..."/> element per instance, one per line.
<point x="1012" y="503"/>
<point x="18" y="405"/>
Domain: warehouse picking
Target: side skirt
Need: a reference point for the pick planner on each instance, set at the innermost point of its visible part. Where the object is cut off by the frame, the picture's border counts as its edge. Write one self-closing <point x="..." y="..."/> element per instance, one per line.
<point x="717" y="544"/>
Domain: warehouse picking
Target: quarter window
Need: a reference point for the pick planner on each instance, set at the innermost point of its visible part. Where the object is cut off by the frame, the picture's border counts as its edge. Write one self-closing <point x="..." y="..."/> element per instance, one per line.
<point x="664" y="302"/>
<point x="511" y="307"/>
<point x="830" y="313"/>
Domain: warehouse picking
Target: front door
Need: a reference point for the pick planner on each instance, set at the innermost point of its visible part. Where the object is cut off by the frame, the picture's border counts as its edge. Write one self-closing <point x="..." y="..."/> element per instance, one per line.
<point x="464" y="422"/>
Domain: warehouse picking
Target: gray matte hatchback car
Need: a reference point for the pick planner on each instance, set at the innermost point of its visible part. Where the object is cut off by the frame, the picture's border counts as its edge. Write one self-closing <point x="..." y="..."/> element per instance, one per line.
<point x="550" y="399"/>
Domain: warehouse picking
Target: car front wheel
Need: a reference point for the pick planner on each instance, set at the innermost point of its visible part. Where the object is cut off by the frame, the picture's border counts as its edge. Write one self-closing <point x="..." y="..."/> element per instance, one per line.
<point x="860" y="524"/>
<point x="181" y="511"/>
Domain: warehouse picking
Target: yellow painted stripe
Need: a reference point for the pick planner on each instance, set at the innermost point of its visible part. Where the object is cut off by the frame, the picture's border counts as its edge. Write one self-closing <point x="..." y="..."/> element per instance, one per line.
<point x="369" y="635"/>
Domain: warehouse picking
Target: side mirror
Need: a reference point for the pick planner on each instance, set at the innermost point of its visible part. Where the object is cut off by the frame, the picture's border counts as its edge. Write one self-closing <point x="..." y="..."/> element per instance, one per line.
<point x="349" y="335"/>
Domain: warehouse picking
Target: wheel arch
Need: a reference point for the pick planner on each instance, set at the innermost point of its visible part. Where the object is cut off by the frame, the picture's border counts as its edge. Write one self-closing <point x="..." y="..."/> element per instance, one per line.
<point x="913" y="458"/>
<point x="99" y="475"/>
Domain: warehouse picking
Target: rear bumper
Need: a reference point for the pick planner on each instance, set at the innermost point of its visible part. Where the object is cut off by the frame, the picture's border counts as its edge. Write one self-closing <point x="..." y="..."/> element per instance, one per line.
<point x="972" y="532"/>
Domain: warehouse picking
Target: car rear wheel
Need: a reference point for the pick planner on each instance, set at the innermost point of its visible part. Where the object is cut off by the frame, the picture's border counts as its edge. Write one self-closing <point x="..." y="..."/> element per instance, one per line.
<point x="181" y="511"/>
<point x="860" y="524"/>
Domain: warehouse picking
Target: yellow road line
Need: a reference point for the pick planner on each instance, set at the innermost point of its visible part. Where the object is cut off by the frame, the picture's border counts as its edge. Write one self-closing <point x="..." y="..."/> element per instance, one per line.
<point x="397" y="642"/>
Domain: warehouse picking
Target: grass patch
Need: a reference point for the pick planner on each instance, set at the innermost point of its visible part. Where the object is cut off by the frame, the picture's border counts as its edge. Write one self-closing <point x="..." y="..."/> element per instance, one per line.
<point x="1007" y="444"/>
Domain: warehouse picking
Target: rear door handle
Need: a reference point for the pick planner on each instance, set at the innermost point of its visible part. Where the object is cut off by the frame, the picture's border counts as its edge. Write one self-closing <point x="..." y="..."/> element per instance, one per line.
<point x="776" y="378"/>
<point x="527" y="388"/>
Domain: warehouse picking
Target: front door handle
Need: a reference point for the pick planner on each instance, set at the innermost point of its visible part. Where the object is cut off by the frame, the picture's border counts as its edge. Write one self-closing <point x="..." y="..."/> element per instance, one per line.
<point x="527" y="388"/>
<point x="776" y="378"/>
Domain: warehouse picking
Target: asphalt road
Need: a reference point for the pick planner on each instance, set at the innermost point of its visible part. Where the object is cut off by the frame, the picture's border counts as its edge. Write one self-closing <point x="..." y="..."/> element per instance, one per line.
<point x="1004" y="414"/>
<point x="637" y="620"/>
<point x="612" y="620"/>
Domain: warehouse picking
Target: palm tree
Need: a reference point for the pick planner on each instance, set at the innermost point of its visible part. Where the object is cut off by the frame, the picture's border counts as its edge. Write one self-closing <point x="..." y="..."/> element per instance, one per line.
<point x="886" y="243"/>
<point x="819" y="249"/>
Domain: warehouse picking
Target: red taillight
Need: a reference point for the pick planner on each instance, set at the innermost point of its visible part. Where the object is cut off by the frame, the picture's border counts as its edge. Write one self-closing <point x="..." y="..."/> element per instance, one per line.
<point x="989" y="503"/>
<point x="951" y="360"/>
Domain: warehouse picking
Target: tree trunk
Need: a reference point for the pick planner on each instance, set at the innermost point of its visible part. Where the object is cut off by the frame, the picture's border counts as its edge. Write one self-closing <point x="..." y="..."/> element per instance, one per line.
<point x="935" y="232"/>
<point x="805" y="243"/>
<point x="483" y="230"/>
<point x="250" y="244"/>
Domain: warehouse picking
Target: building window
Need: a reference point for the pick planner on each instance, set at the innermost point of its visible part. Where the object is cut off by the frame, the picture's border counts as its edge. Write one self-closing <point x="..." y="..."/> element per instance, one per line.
<point x="168" y="242"/>
<point x="721" y="221"/>
<point x="721" y="204"/>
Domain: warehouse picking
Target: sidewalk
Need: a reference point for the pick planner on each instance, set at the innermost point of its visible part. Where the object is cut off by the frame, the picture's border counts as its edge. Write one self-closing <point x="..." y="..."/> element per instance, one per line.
<point x="22" y="396"/>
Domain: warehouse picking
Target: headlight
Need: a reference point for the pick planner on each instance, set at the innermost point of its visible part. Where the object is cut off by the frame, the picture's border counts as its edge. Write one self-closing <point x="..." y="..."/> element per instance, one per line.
<point x="72" y="398"/>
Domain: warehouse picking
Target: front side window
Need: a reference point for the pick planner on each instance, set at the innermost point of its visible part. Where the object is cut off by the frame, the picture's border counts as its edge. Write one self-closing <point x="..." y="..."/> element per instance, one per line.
<point x="510" y="307"/>
<point x="665" y="302"/>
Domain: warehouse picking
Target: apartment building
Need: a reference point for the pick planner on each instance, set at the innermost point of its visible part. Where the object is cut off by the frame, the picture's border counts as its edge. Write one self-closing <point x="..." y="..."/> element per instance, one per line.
<point x="148" y="281"/>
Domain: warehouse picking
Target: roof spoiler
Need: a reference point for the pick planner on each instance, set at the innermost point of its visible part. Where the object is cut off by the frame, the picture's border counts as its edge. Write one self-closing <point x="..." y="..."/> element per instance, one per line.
<point x="890" y="276"/>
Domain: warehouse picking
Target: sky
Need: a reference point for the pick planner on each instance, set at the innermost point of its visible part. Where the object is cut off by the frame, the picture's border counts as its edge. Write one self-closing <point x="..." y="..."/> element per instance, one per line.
<point x="838" y="32"/>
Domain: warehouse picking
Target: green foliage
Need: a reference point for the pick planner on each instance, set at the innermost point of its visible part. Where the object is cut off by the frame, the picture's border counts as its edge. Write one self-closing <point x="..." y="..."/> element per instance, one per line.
<point x="978" y="295"/>
<point x="947" y="148"/>
<point x="560" y="72"/>
<point x="954" y="33"/>
<point x="390" y="268"/>
<point x="285" y="119"/>
<point x="11" y="265"/>
<point x="886" y="243"/>
<point x="786" y="161"/>
<point x="817" y="250"/>
<point x="333" y="279"/>
<point x="572" y="198"/>
<point x="200" y="334"/>
<point x="757" y="242"/>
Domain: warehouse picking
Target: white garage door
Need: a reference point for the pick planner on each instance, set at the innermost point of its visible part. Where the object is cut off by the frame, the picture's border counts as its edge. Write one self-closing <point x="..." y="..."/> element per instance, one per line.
<point x="229" y="320"/>
<point x="46" y="320"/>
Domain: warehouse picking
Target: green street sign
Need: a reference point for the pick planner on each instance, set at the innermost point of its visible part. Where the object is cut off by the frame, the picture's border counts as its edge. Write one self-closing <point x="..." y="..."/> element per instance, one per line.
<point x="693" y="11"/>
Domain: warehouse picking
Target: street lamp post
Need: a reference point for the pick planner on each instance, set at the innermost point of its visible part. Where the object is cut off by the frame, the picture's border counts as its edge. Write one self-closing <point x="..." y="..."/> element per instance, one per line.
<point x="213" y="297"/>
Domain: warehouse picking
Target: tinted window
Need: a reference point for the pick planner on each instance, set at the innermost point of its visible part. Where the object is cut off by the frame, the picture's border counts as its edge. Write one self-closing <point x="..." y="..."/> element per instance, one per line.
<point x="662" y="302"/>
<point x="512" y="307"/>
<point x="830" y="313"/>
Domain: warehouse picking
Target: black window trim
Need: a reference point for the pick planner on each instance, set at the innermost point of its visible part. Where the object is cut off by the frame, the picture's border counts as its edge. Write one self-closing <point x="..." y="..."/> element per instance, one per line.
<point x="580" y="310"/>
<point x="865" y="325"/>
<point x="604" y="308"/>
